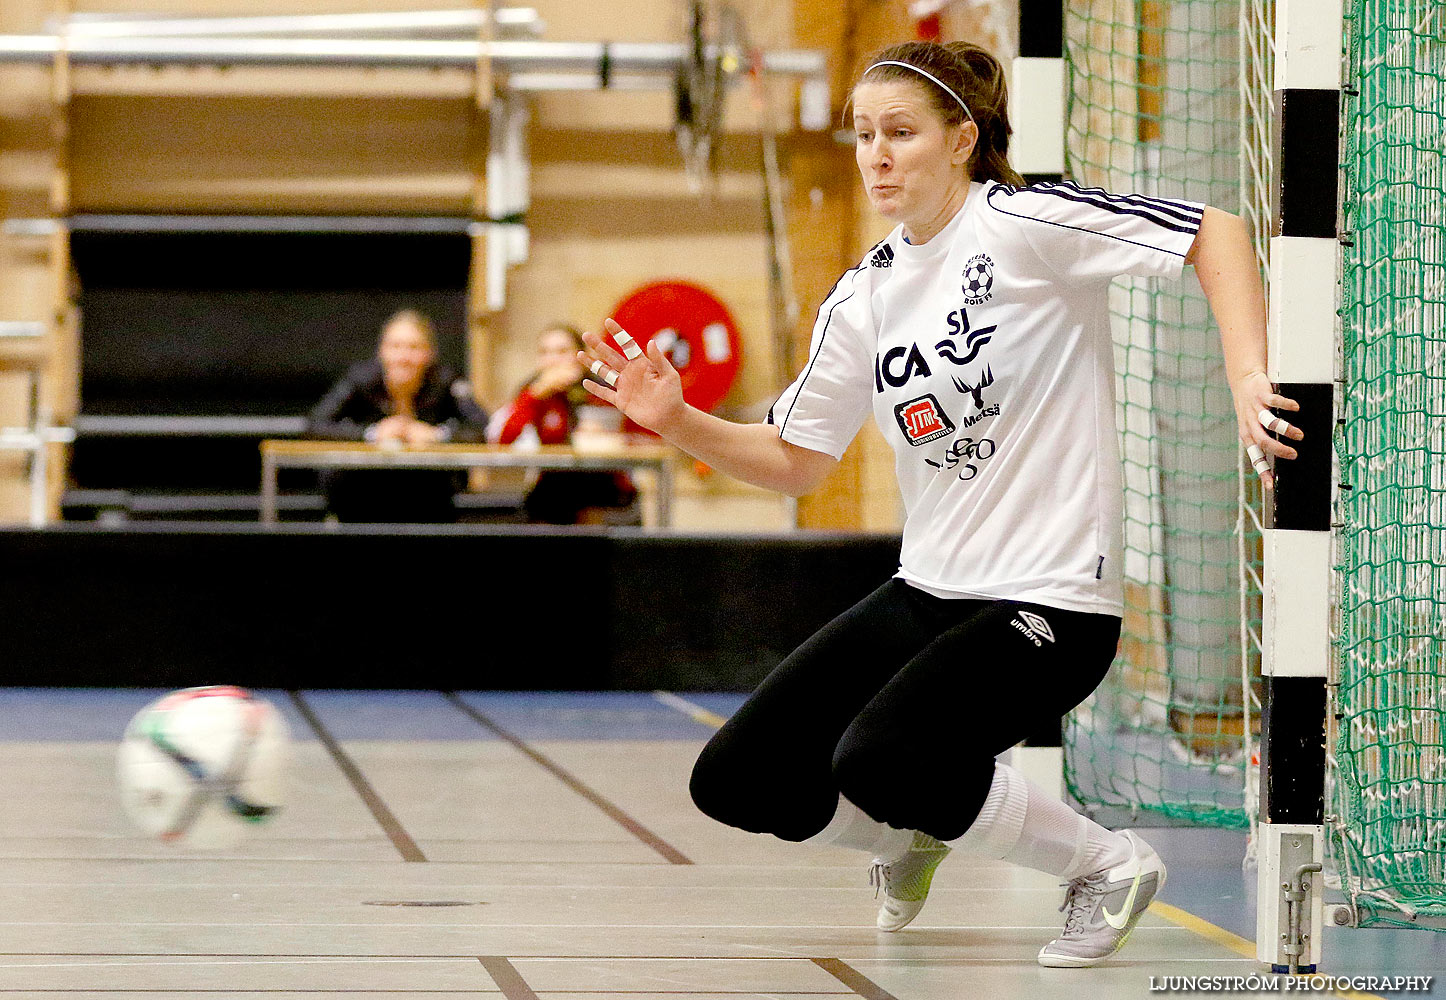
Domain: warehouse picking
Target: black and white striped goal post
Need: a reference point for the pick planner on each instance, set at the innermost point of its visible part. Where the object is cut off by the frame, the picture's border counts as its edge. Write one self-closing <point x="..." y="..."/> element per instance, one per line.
<point x="1303" y="363"/>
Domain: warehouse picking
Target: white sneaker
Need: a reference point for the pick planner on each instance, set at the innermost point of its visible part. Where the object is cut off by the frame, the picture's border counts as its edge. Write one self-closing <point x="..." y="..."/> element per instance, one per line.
<point x="1101" y="909"/>
<point x="906" y="881"/>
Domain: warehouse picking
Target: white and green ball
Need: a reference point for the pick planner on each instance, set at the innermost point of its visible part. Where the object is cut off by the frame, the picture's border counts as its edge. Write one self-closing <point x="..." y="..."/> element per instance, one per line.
<point x="203" y="765"/>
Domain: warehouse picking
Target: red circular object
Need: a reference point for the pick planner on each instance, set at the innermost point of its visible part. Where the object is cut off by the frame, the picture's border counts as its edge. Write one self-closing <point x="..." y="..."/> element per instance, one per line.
<point x="695" y="331"/>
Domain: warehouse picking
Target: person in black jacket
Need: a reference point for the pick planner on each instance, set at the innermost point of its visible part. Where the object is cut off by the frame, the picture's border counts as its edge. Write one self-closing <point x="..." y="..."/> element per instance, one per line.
<point x="401" y="397"/>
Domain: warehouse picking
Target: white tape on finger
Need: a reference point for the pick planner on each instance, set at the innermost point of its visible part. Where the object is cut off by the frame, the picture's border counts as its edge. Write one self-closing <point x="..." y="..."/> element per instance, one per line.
<point x="631" y="350"/>
<point x="605" y="373"/>
<point x="1270" y="421"/>
<point x="1257" y="458"/>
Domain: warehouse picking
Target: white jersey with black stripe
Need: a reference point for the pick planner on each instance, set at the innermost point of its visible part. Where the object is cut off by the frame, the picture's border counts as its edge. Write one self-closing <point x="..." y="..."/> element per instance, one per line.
<point x="986" y="358"/>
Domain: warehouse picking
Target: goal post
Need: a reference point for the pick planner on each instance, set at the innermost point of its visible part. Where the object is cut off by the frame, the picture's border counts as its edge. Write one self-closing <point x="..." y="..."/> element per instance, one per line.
<point x="1303" y="363"/>
<point x="1323" y="123"/>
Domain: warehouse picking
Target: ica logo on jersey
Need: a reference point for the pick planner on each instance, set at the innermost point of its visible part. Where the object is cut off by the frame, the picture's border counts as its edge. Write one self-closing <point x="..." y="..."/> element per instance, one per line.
<point x="923" y="420"/>
<point x="898" y="365"/>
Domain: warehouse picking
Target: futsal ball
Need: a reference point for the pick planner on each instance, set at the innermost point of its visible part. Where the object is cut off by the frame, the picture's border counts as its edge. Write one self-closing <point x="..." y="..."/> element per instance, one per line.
<point x="202" y="765"/>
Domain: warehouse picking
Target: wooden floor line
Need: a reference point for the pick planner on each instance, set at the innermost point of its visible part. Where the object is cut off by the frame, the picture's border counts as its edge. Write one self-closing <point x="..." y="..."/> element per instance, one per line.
<point x="401" y="840"/>
<point x="617" y="815"/>
<point x="507" y="978"/>
<point x="853" y="979"/>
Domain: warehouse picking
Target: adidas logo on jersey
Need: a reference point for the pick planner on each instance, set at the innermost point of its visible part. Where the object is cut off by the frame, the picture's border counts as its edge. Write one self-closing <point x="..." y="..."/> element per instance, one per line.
<point x="1034" y="627"/>
<point x="883" y="257"/>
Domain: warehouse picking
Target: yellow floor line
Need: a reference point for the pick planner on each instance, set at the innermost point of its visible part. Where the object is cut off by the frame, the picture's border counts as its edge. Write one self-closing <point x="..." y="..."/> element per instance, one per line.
<point x="1181" y="918"/>
<point x="1204" y="928"/>
<point x="695" y="712"/>
<point x="1227" y="939"/>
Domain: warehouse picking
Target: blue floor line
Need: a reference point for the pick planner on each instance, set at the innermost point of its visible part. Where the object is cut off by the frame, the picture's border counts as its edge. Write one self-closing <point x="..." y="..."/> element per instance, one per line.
<point x="100" y="714"/>
<point x="571" y="715"/>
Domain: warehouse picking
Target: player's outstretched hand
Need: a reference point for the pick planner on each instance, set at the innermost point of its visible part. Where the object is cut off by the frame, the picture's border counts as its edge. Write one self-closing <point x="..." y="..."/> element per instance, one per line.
<point x="1255" y="397"/>
<point x="645" y="387"/>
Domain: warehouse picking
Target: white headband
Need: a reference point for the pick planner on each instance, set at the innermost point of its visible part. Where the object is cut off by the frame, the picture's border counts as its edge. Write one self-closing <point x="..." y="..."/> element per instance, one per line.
<point x="924" y="73"/>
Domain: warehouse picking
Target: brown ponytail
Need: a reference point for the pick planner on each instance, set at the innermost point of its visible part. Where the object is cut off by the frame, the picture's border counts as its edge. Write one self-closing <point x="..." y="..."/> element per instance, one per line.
<point x="978" y="79"/>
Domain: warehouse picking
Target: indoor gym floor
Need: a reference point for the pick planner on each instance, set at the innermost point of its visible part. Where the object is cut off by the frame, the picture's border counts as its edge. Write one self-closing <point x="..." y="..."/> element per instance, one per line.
<point x="537" y="845"/>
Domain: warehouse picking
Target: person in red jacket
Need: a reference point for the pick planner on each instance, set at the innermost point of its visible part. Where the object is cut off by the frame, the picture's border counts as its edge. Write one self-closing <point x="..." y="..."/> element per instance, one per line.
<point x="547" y="405"/>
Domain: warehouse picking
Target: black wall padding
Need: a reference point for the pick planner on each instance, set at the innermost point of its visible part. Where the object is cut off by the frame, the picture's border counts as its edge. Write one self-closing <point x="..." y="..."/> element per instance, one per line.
<point x="512" y="608"/>
<point x="258" y="323"/>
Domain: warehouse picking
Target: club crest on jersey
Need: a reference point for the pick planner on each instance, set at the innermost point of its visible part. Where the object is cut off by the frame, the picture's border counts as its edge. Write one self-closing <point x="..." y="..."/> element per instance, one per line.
<point x="978" y="279"/>
<point x="922" y="420"/>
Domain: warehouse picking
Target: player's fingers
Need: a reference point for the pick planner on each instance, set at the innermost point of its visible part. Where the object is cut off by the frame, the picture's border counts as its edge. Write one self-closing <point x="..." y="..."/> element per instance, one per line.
<point x="1261" y="465"/>
<point x="659" y="358"/>
<point x="1272" y="447"/>
<point x="1278" y="425"/>
<point x="600" y="349"/>
<point x="1278" y="402"/>
<point x="630" y="347"/>
<point x="601" y="391"/>
<point x="602" y="371"/>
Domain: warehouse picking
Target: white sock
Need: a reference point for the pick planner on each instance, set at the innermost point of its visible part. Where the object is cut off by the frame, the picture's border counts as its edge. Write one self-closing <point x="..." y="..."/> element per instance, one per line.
<point x="852" y="827"/>
<point x="1023" y="824"/>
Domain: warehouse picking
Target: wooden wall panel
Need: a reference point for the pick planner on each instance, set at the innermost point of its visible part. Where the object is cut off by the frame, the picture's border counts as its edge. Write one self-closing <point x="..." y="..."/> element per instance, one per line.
<point x="256" y="154"/>
<point x="612" y="208"/>
<point x="31" y="186"/>
<point x="14" y="493"/>
<point x="23" y="17"/>
<point x="233" y="8"/>
<point x="580" y="275"/>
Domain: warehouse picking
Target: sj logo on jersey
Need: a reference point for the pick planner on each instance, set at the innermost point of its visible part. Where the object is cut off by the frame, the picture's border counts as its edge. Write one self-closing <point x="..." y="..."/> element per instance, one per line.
<point x="922" y="420"/>
<point x="978" y="279"/>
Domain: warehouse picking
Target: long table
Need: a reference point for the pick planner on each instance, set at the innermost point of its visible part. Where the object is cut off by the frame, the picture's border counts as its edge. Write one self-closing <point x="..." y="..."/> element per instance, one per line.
<point x="278" y="454"/>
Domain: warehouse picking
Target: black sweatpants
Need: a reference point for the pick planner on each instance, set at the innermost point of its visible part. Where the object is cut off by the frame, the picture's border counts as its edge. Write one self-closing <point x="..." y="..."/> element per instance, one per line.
<point x="901" y="703"/>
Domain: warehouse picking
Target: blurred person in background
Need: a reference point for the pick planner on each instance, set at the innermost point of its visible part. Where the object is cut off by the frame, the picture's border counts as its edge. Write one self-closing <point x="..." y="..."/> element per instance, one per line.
<point x="548" y="410"/>
<point x="402" y="397"/>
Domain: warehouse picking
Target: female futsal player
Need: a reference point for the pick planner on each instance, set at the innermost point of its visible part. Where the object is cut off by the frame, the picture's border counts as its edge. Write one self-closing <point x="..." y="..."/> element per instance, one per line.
<point x="977" y="334"/>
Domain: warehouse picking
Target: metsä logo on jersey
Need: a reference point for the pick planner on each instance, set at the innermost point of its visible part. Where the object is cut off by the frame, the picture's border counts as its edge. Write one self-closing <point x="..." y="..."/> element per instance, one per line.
<point x="922" y="420"/>
<point x="976" y="391"/>
<point x="978" y="279"/>
<point x="1034" y="627"/>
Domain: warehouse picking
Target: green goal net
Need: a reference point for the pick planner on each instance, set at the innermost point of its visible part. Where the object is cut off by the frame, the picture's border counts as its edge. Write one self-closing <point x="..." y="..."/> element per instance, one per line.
<point x="1172" y="100"/>
<point x="1389" y="798"/>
